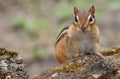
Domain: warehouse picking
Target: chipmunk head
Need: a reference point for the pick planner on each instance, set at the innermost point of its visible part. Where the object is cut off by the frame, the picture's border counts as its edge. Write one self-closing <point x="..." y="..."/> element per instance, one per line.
<point x="84" y="19"/>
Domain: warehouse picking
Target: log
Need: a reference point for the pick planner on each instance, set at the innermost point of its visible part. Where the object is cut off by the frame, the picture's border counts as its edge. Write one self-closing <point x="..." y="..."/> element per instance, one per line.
<point x="87" y="67"/>
<point x="11" y="65"/>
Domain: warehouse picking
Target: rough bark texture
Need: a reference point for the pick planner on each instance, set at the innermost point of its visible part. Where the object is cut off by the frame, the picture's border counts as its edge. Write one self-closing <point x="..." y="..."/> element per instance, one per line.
<point x="87" y="67"/>
<point x="11" y="65"/>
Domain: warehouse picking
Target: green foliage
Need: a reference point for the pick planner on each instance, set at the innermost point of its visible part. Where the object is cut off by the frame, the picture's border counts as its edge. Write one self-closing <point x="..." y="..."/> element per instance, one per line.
<point x="30" y="26"/>
<point x="18" y="21"/>
<point x="39" y="53"/>
<point x="34" y="28"/>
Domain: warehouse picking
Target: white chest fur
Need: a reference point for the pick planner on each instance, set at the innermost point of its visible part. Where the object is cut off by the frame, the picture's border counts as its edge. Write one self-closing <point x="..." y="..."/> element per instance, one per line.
<point x="83" y="42"/>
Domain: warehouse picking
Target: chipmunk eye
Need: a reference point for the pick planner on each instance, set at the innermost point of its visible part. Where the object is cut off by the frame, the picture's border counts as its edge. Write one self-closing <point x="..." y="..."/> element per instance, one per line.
<point x="90" y="19"/>
<point x="76" y="19"/>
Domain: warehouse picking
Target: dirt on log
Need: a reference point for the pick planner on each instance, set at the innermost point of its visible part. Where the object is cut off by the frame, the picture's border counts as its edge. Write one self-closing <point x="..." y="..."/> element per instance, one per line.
<point x="87" y="67"/>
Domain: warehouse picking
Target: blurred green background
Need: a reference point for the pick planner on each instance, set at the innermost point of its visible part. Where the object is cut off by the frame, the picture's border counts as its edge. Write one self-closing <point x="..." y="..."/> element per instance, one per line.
<point x="30" y="27"/>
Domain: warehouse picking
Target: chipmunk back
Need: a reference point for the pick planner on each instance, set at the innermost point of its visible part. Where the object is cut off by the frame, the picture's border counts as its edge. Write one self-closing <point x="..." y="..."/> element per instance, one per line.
<point x="81" y="37"/>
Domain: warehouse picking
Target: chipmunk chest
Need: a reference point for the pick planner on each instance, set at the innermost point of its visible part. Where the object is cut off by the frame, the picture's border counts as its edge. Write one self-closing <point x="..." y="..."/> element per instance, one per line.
<point x="84" y="41"/>
<point x="84" y="37"/>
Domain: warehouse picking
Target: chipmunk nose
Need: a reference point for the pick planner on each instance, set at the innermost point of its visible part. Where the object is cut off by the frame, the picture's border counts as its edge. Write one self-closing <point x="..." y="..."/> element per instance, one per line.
<point x="83" y="28"/>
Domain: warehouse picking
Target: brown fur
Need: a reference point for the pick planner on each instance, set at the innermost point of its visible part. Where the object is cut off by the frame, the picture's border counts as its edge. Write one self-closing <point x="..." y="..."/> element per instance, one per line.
<point x="61" y="50"/>
<point x="59" y="38"/>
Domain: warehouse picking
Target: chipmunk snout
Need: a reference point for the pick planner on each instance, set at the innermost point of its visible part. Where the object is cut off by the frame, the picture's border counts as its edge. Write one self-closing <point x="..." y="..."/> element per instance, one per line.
<point x="83" y="28"/>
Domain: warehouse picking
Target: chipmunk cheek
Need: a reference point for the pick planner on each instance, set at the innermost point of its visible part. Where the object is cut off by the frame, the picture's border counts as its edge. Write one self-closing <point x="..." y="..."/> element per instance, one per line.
<point x="78" y="28"/>
<point x="88" y="28"/>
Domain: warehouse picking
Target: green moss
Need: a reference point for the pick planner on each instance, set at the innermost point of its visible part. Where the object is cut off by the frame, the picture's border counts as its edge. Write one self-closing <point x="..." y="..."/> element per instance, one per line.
<point x="113" y="51"/>
<point x="7" y="52"/>
<point x="2" y="75"/>
<point x="69" y="67"/>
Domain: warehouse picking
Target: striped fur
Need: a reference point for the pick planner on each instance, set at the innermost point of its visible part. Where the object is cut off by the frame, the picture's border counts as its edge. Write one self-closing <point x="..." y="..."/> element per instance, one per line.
<point x="62" y="34"/>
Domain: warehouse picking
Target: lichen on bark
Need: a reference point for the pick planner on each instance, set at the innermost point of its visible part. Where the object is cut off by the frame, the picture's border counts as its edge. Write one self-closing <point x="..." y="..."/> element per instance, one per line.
<point x="11" y="65"/>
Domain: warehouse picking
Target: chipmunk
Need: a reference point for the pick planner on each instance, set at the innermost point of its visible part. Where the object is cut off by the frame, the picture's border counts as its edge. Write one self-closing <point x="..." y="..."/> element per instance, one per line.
<point x="81" y="37"/>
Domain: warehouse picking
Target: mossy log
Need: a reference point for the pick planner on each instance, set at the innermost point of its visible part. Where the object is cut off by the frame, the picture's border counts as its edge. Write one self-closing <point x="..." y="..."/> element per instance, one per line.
<point x="87" y="67"/>
<point x="11" y="65"/>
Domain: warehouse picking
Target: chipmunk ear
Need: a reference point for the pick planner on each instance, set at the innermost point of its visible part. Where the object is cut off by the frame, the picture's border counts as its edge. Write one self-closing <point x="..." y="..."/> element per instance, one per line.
<point x="92" y="10"/>
<point x="76" y="10"/>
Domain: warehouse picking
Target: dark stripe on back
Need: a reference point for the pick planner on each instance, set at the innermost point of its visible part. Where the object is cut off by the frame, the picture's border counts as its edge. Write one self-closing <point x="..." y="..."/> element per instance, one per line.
<point x="62" y="35"/>
<point x="62" y="31"/>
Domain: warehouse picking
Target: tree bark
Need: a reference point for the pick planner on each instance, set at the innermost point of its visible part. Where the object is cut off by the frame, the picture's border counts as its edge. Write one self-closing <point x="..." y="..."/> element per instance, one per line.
<point x="11" y="65"/>
<point x="87" y="67"/>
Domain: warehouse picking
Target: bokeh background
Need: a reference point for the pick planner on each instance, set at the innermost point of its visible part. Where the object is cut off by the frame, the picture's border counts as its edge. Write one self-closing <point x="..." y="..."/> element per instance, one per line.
<point x="30" y="27"/>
